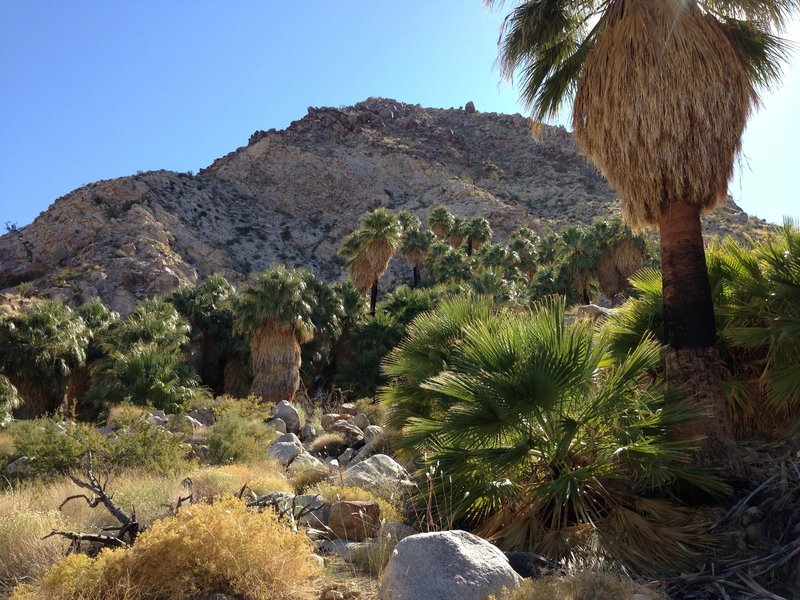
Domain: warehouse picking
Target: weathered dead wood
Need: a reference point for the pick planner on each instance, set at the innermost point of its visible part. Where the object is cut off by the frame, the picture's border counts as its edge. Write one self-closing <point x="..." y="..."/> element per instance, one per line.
<point x="77" y="538"/>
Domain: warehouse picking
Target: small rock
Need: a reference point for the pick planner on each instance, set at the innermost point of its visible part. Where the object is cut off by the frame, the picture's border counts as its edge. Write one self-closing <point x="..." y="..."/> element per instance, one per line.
<point x="469" y="108"/>
<point x="346" y="456"/>
<point x="363" y="454"/>
<point x="194" y="424"/>
<point x="18" y="467"/>
<point x="308" y="432"/>
<point x="332" y="462"/>
<point x="329" y="419"/>
<point x="349" y="408"/>
<point x="278" y="425"/>
<point x="318" y="559"/>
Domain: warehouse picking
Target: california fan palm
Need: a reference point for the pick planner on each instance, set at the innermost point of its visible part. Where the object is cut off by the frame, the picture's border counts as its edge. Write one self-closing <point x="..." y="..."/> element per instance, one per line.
<point x="275" y="311"/>
<point x="662" y="91"/>
<point x="415" y="245"/>
<point x="370" y="248"/>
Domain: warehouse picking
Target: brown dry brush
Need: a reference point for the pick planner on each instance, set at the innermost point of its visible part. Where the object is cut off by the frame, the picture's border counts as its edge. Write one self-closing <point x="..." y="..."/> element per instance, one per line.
<point x="648" y="50"/>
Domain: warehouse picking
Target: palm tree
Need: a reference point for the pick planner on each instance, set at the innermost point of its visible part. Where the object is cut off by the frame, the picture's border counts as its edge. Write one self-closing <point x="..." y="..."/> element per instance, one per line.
<point x="662" y="92"/>
<point x="208" y="307"/>
<point x="275" y="311"/>
<point x="9" y="400"/>
<point x="478" y="231"/>
<point x="414" y="246"/>
<point x="622" y="253"/>
<point x="369" y="250"/>
<point x="441" y="222"/>
<point x="458" y="230"/>
<point x="38" y="350"/>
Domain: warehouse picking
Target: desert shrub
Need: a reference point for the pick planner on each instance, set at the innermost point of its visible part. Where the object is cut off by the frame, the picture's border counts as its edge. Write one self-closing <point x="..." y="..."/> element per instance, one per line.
<point x="305" y="478"/>
<point x="540" y="442"/>
<point x="328" y="444"/>
<point x="204" y="549"/>
<point x="209" y="483"/>
<point x="53" y="446"/>
<point x="124" y="414"/>
<point x="9" y="400"/>
<point x="25" y="555"/>
<point x="251" y="407"/>
<point x="147" y="446"/>
<point x="7" y="448"/>
<point x="587" y="584"/>
<point x="329" y="492"/>
<point x="235" y="438"/>
<point x="375" y="411"/>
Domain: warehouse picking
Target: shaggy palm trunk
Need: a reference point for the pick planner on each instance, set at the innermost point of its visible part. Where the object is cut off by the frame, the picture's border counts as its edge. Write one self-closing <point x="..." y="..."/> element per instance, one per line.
<point x="77" y="386"/>
<point x="416" y="275"/>
<point x="212" y="364"/>
<point x="692" y="360"/>
<point x="276" y="363"/>
<point x="373" y="297"/>
<point x="36" y="400"/>
<point x="237" y="378"/>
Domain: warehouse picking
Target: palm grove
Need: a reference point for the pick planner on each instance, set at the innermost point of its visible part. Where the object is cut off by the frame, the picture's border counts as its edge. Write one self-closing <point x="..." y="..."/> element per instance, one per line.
<point x="534" y="429"/>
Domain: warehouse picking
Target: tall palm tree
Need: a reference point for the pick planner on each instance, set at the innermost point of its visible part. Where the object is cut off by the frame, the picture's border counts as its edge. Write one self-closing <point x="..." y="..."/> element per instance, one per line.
<point x="457" y="233"/>
<point x="478" y="231"/>
<point x="662" y="92"/>
<point x="414" y="246"/>
<point x="441" y="222"/>
<point x="275" y="311"/>
<point x="370" y="248"/>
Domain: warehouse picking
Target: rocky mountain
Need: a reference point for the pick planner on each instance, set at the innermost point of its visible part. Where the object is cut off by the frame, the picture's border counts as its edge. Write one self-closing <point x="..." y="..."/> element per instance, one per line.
<point x="291" y="196"/>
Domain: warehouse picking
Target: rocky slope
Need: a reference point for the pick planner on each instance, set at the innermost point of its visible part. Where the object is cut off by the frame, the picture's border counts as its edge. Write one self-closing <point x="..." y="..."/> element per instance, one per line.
<point x="291" y="196"/>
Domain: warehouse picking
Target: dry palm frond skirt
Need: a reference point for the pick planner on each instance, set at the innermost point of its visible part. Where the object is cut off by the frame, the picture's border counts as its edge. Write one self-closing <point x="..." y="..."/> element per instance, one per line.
<point x="276" y="362"/>
<point x="661" y="105"/>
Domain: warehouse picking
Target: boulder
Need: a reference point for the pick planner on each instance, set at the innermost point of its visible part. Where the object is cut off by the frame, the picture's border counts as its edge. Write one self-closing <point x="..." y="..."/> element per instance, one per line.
<point x="288" y="414"/>
<point x="361" y="421"/>
<point x="349" y="408"/>
<point x="203" y="415"/>
<point x="18" y="467"/>
<point x="288" y="437"/>
<point x="329" y="419"/>
<point x="308" y="433"/>
<point x="353" y="520"/>
<point x="380" y="474"/>
<point x="278" y="425"/>
<point x="351" y="434"/>
<point x="285" y="452"/>
<point x="469" y="108"/>
<point x="304" y="461"/>
<point x="446" y="565"/>
<point x="372" y="432"/>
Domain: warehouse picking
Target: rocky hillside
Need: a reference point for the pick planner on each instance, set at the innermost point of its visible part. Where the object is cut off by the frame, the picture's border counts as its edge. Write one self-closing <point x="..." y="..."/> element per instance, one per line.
<point x="291" y="196"/>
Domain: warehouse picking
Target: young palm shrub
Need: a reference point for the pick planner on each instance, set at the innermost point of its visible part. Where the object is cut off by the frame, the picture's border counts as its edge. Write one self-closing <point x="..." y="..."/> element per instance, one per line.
<point x="9" y="400"/>
<point x="38" y="350"/>
<point x="532" y="435"/>
<point x="446" y="265"/>
<point x="275" y="311"/>
<point x="328" y="317"/>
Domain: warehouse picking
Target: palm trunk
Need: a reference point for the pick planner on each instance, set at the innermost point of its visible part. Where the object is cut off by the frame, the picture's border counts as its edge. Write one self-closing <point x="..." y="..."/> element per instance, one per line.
<point x="692" y="360"/>
<point x="276" y="363"/>
<point x="237" y="378"/>
<point x="373" y="297"/>
<point x="36" y="400"/>
<point x="416" y="275"/>
<point x="469" y="246"/>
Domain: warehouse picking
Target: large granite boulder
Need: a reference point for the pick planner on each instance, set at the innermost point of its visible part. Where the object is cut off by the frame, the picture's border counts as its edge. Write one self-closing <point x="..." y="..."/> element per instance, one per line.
<point x="446" y="565"/>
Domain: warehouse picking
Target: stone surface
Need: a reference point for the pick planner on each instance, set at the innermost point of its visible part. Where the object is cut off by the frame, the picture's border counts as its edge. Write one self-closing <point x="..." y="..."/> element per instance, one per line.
<point x="380" y="474"/>
<point x="288" y="437"/>
<point x="353" y="520"/>
<point x="348" y="408"/>
<point x="447" y="565"/>
<point x="308" y="433"/>
<point x="372" y="433"/>
<point x="329" y="419"/>
<point x="18" y="466"/>
<point x="278" y="425"/>
<point x="288" y="414"/>
<point x="361" y="421"/>
<point x="350" y="433"/>
<point x="285" y="452"/>
<point x="204" y="416"/>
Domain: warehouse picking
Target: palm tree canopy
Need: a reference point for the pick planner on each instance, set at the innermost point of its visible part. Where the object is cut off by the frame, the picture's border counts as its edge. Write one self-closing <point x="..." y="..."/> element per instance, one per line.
<point x="277" y="297"/>
<point x="662" y="90"/>
<point x="416" y="244"/>
<point x="479" y="230"/>
<point x="441" y="221"/>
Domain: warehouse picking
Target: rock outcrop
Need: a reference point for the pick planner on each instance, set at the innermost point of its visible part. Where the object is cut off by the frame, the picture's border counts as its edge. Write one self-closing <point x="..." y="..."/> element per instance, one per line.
<point x="291" y="196"/>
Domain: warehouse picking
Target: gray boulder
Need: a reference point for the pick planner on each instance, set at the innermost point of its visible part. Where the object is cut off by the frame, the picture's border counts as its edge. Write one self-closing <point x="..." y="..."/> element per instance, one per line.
<point x="285" y="452"/>
<point x="380" y="474"/>
<point x="308" y="433"/>
<point x="372" y="433"/>
<point x="203" y="415"/>
<point x="288" y="437"/>
<point x="361" y="421"/>
<point x="446" y="565"/>
<point x="288" y="414"/>
<point x="278" y="425"/>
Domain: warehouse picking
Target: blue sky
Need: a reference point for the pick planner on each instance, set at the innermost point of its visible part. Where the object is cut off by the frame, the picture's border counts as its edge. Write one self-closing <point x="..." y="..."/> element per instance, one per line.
<point x="98" y="89"/>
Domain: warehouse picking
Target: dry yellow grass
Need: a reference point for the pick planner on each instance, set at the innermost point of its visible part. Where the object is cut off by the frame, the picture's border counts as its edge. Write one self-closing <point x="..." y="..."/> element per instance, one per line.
<point x="204" y="549"/>
<point x="588" y="584"/>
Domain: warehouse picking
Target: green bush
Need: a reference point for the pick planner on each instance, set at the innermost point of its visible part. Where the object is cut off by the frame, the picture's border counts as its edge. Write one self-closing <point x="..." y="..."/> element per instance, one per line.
<point x="147" y="446"/>
<point x="235" y="438"/>
<point x="55" y="447"/>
